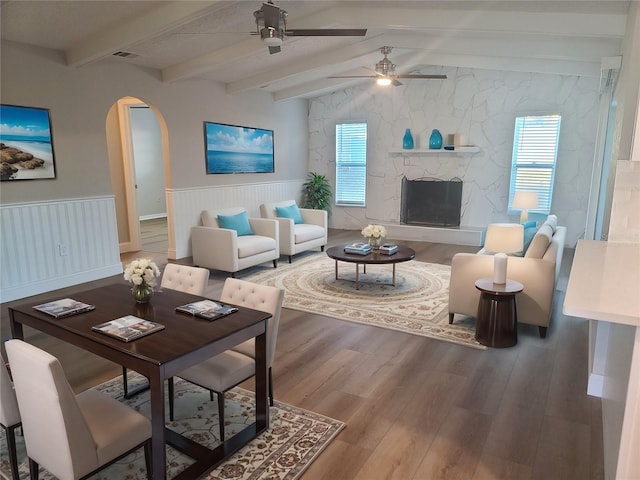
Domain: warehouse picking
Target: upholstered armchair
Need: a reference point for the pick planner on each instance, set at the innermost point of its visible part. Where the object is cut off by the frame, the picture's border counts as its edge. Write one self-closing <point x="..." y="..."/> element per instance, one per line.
<point x="301" y="229"/>
<point x="230" y="241"/>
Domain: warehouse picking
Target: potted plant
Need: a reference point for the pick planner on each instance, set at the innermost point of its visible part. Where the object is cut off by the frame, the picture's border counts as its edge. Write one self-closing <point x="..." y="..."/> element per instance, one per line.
<point x="317" y="192"/>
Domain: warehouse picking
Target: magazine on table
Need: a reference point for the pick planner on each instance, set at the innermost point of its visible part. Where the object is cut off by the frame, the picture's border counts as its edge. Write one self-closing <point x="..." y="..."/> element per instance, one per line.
<point x="388" y="249"/>
<point x="358" y="248"/>
<point x="64" y="307"/>
<point x="128" y="328"/>
<point x="207" y="309"/>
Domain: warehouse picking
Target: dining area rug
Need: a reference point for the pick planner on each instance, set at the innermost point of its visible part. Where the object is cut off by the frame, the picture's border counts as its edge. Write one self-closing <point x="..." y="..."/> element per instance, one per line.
<point x="417" y="304"/>
<point x="293" y="440"/>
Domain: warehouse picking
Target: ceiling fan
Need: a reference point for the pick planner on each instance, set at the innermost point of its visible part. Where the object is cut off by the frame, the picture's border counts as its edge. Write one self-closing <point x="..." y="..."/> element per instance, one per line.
<point x="271" y="23"/>
<point x="385" y="72"/>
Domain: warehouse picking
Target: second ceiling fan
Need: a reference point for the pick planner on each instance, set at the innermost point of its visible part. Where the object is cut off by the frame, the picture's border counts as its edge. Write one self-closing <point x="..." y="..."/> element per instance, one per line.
<point x="271" y="23"/>
<point x="385" y="72"/>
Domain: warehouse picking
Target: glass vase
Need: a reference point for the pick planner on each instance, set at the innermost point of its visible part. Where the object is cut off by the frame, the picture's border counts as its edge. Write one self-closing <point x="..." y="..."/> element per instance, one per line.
<point x="375" y="242"/>
<point x="407" y="140"/>
<point x="142" y="293"/>
<point x="435" y="140"/>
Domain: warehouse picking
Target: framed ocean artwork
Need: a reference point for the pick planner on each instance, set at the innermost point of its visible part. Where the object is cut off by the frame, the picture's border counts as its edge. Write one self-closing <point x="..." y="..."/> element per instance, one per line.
<point x="236" y="149"/>
<point x="26" y="144"/>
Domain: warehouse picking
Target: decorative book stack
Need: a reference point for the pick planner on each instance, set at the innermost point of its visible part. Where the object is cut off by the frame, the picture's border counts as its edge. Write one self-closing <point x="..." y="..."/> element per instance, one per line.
<point x="358" y="248"/>
<point x="388" y="249"/>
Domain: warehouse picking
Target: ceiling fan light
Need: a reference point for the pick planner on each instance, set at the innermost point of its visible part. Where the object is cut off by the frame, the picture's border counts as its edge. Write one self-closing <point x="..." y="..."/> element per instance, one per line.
<point x="383" y="81"/>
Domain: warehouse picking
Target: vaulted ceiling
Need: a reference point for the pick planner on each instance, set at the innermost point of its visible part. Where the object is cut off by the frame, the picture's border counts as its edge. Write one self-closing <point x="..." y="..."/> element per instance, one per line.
<point x="213" y="40"/>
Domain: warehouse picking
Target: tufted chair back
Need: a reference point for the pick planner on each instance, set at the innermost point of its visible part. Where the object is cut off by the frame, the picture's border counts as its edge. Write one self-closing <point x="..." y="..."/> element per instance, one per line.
<point x="258" y="297"/>
<point x="9" y="416"/>
<point x="184" y="278"/>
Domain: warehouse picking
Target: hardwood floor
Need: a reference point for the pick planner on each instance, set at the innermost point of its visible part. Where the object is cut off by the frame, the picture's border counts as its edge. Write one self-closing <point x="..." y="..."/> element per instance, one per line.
<point x="417" y="408"/>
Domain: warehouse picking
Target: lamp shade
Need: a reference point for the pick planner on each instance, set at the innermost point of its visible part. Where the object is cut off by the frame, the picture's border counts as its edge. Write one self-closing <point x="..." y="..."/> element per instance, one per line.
<point x="525" y="200"/>
<point x="504" y="238"/>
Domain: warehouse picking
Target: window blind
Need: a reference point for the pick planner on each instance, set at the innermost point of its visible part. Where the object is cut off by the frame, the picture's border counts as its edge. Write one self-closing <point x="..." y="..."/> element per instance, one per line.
<point x="535" y="152"/>
<point x="351" y="164"/>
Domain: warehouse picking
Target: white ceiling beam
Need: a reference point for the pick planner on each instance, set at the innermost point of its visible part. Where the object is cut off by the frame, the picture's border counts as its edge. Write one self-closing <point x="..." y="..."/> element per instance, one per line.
<point x="145" y="26"/>
<point x="562" y="67"/>
<point x="442" y="20"/>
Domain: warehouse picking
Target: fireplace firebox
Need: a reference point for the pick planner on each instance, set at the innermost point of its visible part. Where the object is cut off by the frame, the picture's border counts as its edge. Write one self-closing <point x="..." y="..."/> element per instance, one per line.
<point x="431" y="202"/>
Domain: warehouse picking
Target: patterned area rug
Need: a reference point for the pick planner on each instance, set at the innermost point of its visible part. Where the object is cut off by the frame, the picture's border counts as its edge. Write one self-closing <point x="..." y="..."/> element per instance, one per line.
<point x="294" y="439"/>
<point x="417" y="304"/>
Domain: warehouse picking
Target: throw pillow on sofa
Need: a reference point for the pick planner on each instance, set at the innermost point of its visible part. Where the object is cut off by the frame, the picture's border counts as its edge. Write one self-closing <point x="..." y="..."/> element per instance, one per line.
<point x="238" y="222"/>
<point x="292" y="212"/>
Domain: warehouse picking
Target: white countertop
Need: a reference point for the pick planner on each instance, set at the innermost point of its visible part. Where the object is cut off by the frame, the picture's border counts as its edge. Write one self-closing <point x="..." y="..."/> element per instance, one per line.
<point x="604" y="283"/>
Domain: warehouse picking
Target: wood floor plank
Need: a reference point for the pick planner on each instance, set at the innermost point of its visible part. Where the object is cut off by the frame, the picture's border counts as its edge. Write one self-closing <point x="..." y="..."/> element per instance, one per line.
<point x="493" y="468"/>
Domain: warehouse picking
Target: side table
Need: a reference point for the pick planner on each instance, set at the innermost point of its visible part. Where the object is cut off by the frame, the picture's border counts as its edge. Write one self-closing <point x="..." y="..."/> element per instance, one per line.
<point x="497" y="319"/>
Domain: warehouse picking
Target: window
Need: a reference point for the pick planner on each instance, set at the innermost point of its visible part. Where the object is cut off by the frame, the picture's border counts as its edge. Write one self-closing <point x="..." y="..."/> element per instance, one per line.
<point x="535" y="151"/>
<point x="351" y="164"/>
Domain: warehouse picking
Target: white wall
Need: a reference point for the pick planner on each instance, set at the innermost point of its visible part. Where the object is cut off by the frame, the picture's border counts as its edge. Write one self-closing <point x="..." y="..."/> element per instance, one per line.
<point x="79" y="100"/>
<point x="481" y="105"/>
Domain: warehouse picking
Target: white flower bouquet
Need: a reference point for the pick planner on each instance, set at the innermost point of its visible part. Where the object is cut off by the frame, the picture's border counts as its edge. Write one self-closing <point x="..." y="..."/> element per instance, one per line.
<point x="374" y="231"/>
<point x="141" y="270"/>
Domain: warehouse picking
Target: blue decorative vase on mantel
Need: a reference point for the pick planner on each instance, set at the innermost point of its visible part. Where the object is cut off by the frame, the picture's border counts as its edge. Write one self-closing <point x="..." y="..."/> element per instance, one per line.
<point x="435" y="140"/>
<point x="407" y="140"/>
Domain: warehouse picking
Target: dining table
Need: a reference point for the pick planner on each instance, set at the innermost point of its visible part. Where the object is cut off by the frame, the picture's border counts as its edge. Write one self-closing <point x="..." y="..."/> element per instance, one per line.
<point x="185" y="341"/>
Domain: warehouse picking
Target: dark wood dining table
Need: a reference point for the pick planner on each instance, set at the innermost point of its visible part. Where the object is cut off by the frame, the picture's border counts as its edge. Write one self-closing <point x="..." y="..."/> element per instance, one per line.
<point x="184" y="342"/>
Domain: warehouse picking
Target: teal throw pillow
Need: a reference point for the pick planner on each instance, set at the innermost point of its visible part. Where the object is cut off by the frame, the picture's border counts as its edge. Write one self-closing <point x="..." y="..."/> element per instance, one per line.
<point x="238" y="222"/>
<point x="292" y="212"/>
<point x="530" y="223"/>
<point x="529" y="233"/>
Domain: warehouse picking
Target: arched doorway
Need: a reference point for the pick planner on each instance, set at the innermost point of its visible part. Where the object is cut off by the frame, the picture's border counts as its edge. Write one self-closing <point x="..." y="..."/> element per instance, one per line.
<point x="137" y="156"/>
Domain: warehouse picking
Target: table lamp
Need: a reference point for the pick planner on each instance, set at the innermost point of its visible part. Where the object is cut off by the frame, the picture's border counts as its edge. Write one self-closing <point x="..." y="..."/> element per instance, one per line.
<point x="525" y="201"/>
<point x="503" y="238"/>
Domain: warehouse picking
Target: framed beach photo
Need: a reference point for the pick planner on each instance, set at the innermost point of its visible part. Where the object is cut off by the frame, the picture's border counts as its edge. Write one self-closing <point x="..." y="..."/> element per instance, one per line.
<point x="26" y="144"/>
<point x="236" y="149"/>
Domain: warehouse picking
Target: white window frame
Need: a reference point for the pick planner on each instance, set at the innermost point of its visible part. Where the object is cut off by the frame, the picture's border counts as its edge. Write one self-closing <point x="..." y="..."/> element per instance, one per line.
<point x="351" y="164"/>
<point x="534" y="158"/>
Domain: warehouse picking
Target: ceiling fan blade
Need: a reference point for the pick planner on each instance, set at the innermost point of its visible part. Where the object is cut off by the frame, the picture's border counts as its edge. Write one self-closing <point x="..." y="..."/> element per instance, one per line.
<point x="327" y="32"/>
<point x="355" y="76"/>
<point x="273" y="50"/>
<point x="437" y="77"/>
<point x="395" y="82"/>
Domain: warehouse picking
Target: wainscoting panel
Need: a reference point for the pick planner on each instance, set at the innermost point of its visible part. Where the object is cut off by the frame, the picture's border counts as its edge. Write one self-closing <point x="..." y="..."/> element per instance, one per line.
<point x="51" y="245"/>
<point x="185" y="206"/>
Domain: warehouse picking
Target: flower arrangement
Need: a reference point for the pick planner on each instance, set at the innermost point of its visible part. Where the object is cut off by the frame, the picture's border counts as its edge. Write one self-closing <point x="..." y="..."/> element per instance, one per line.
<point x="374" y="231"/>
<point x="141" y="270"/>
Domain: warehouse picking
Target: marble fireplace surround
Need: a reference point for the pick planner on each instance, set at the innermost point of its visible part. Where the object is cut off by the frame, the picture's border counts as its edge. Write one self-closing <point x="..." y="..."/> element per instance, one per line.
<point x="481" y="105"/>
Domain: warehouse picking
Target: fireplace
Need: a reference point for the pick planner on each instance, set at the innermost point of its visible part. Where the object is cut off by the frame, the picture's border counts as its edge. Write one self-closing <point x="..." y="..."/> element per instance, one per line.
<point x="431" y="202"/>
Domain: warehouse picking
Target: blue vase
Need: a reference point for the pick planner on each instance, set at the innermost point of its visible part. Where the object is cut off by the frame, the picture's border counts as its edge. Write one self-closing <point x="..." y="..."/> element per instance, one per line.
<point x="407" y="140"/>
<point x="435" y="140"/>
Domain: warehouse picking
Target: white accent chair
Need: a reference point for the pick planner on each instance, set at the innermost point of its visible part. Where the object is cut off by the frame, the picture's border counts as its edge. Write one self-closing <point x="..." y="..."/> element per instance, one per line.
<point x="70" y="435"/>
<point x="298" y="237"/>
<point x="223" y="249"/>
<point x="184" y="278"/>
<point x="228" y="369"/>
<point x="9" y="417"/>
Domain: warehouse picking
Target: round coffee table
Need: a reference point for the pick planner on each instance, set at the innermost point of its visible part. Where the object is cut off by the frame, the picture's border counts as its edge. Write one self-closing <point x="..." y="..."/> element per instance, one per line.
<point x="497" y="319"/>
<point x="404" y="254"/>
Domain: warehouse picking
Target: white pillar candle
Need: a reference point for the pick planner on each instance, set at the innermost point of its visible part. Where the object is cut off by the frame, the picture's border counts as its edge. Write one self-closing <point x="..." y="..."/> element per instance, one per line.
<point x="500" y="268"/>
<point x="459" y="140"/>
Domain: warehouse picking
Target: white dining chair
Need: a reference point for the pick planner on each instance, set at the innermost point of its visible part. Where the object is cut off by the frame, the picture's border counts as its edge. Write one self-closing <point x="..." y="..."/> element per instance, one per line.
<point x="184" y="278"/>
<point x="9" y="417"/>
<point x="71" y="436"/>
<point x="224" y="371"/>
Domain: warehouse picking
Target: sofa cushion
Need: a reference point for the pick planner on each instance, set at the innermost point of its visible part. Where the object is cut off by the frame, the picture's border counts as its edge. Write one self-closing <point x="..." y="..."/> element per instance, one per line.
<point x="305" y="232"/>
<point x="238" y="222"/>
<point x="249" y="245"/>
<point x="291" y="211"/>
<point x="540" y="242"/>
<point x="552" y="221"/>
